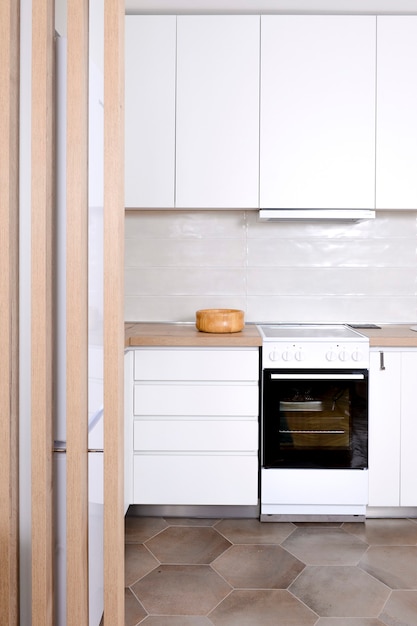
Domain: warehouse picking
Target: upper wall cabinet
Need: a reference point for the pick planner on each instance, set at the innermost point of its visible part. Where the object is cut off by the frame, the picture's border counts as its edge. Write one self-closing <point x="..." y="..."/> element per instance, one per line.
<point x="317" y="144"/>
<point x="150" y="111"/>
<point x="217" y="151"/>
<point x="396" y="180"/>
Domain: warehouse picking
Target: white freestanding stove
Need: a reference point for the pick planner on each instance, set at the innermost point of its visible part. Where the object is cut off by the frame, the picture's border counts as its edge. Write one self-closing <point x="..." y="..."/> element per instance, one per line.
<point x="314" y="422"/>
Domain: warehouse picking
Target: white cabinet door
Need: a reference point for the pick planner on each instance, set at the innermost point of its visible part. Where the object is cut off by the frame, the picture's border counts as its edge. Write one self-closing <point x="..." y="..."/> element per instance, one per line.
<point x="317" y="144"/>
<point x="150" y="111"/>
<point x="196" y="479"/>
<point x="408" y="490"/>
<point x="384" y="428"/>
<point x="396" y="181"/>
<point x="217" y="147"/>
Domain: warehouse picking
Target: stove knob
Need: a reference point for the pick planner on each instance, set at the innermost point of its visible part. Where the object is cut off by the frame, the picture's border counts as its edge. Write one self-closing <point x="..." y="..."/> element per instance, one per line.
<point x="343" y="356"/>
<point x="273" y="356"/>
<point x="331" y="356"/>
<point x="287" y="356"/>
<point x="299" y="356"/>
<point x="357" y="355"/>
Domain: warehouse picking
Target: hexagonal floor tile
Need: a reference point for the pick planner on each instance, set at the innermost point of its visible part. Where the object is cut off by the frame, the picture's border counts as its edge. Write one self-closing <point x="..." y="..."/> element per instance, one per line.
<point x="340" y="591"/>
<point x="134" y="611"/>
<point x="265" y="607"/>
<point x="396" y="566"/>
<point x="183" y="620"/>
<point x="325" y="546"/>
<point x="188" y="544"/>
<point x="254" y="531"/>
<point x="385" y="532"/>
<point x="139" y="529"/>
<point x="138" y="562"/>
<point x="348" y="621"/>
<point x="181" y="590"/>
<point x="258" y="567"/>
<point x="401" y="608"/>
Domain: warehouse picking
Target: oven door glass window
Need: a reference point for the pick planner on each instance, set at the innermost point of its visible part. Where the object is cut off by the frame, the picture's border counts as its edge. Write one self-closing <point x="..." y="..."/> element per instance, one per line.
<point x="315" y="418"/>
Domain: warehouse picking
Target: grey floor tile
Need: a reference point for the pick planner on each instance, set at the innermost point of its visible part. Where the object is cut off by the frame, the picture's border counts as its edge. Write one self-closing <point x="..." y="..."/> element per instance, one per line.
<point x="317" y="545"/>
<point x="134" y="611"/>
<point x="396" y="566"/>
<point x="340" y="591"/>
<point x="241" y="572"/>
<point x="138" y="562"/>
<point x="401" y="609"/>
<point x="139" y="529"/>
<point x="262" y="608"/>
<point x="181" y="590"/>
<point x="183" y="620"/>
<point x="386" y="532"/>
<point x="254" y="531"/>
<point x="349" y="621"/>
<point x="258" y="567"/>
<point x="188" y="544"/>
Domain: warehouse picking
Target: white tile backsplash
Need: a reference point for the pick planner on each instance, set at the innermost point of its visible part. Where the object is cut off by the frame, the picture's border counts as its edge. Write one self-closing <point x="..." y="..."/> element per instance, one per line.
<point x="179" y="261"/>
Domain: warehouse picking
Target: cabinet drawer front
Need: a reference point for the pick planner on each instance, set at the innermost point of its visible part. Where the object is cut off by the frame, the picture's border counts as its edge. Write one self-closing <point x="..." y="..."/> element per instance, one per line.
<point x="189" y="480"/>
<point x="189" y="435"/>
<point x="228" y="400"/>
<point x="195" y="364"/>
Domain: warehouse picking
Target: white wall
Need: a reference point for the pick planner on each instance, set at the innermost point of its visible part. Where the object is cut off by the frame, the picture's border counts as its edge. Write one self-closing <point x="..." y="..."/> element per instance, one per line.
<point x="180" y="261"/>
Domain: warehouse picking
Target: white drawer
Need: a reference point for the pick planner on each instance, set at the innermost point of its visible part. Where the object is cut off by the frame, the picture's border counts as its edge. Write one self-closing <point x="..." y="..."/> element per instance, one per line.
<point x="197" y="435"/>
<point x="195" y="480"/>
<point x="196" y="399"/>
<point x="197" y="364"/>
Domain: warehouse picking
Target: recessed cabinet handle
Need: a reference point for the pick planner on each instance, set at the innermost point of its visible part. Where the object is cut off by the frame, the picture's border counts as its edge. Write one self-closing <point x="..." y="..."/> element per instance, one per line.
<point x="381" y="361"/>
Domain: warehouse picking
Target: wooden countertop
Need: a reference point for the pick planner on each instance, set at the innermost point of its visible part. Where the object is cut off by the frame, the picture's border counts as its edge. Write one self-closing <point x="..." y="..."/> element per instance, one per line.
<point x="159" y="334"/>
<point x="391" y="336"/>
<point x="166" y="334"/>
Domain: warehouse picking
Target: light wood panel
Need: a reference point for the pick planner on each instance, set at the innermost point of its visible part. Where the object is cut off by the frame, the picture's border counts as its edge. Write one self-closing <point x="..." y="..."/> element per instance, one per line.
<point x="9" y="327"/>
<point x="113" y="311"/>
<point x="77" y="312"/>
<point x="42" y="188"/>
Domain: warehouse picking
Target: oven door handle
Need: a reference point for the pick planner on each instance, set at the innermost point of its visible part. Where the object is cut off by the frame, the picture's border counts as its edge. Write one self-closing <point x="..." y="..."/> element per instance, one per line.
<point x="317" y="376"/>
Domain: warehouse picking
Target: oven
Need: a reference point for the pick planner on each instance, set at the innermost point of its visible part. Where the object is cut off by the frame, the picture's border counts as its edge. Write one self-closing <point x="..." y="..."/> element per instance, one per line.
<point x="314" y="423"/>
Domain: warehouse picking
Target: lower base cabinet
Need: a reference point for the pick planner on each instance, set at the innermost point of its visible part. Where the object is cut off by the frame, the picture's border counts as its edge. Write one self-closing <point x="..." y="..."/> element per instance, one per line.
<point x="393" y="428"/>
<point x="195" y="433"/>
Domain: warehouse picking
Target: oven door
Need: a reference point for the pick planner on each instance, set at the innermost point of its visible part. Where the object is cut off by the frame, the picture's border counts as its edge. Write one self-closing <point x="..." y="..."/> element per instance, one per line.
<point x="315" y="418"/>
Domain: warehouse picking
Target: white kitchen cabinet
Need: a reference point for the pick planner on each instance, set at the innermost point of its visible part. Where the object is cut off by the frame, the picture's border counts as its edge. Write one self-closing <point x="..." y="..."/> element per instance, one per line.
<point x="317" y="120"/>
<point x="408" y="466"/>
<point x="150" y="111"/>
<point x="217" y="141"/>
<point x="396" y="162"/>
<point x="195" y="426"/>
<point x="392" y="428"/>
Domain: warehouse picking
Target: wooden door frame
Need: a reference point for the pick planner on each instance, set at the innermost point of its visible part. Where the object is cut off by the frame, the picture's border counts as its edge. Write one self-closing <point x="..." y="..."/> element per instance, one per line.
<point x="9" y="307"/>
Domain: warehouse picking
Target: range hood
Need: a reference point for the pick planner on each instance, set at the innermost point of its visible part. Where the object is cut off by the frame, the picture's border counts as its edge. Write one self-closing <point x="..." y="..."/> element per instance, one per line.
<point x="316" y="214"/>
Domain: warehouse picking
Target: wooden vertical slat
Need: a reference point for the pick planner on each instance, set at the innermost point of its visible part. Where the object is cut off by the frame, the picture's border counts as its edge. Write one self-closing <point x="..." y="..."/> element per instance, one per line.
<point x="42" y="189"/>
<point x="114" y="11"/>
<point x="9" y="328"/>
<point x="77" y="312"/>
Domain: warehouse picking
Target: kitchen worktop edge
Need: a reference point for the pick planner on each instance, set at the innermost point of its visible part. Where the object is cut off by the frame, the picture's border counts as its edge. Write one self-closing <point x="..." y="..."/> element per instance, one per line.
<point x="185" y="334"/>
